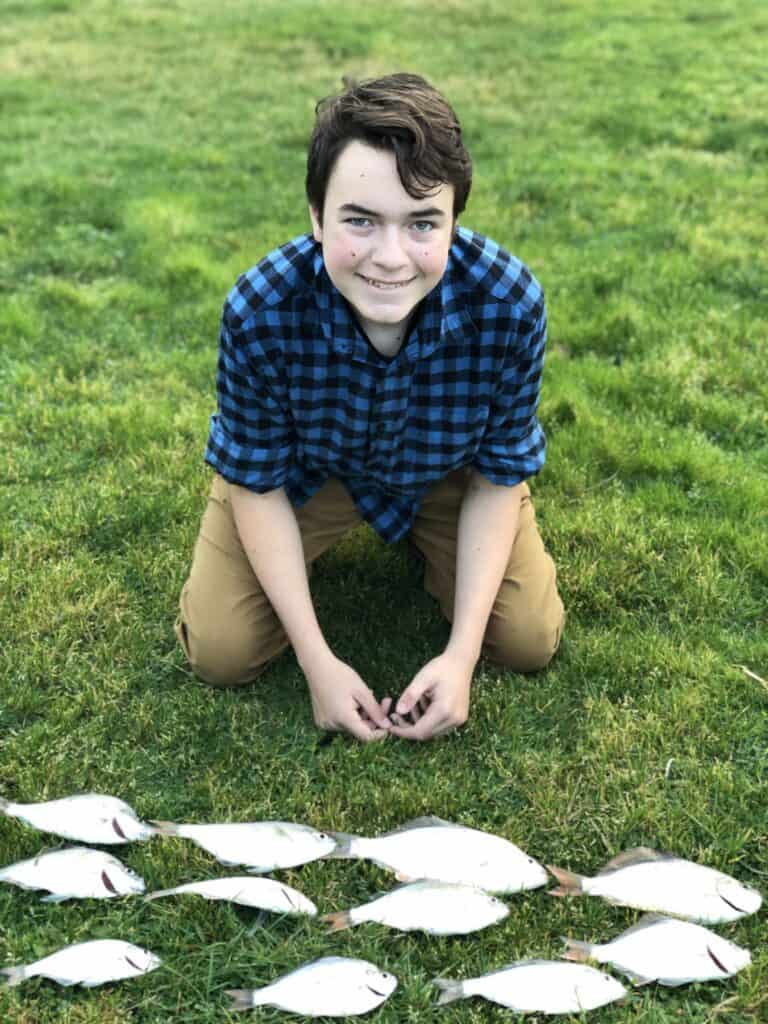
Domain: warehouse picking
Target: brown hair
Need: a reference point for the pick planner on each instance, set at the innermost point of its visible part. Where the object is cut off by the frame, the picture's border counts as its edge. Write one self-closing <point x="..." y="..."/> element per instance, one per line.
<point x="401" y="113"/>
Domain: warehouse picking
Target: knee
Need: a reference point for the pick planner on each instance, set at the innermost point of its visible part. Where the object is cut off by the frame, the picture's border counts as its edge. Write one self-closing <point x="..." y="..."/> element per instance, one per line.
<point x="221" y="659"/>
<point x="523" y="646"/>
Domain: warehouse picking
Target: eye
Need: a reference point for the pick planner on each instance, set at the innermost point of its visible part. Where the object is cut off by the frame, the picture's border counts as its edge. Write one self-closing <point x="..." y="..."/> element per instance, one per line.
<point x="423" y="227"/>
<point x="358" y="222"/>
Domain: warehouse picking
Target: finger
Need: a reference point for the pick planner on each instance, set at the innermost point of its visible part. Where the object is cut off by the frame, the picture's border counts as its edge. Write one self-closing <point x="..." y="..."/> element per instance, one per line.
<point x="372" y="708"/>
<point x="428" y="726"/>
<point x="386" y="704"/>
<point x="362" y="731"/>
<point x="412" y="694"/>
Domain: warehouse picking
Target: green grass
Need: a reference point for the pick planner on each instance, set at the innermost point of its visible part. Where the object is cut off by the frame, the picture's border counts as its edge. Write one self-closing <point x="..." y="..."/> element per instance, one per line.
<point x="150" y="153"/>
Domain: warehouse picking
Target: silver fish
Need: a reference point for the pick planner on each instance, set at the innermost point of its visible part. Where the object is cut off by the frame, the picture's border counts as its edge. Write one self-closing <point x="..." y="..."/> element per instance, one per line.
<point x="666" y="950"/>
<point x="87" y="963"/>
<point x="538" y="986"/>
<point x="334" y="986"/>
<point x="75" y="873"/>
<point x="264" y="893"/>
<point x="444" y="852"/>
<point x="259" y="845"/>
<point x="649" y="880"/>
<point x="439" y="908"/>
<point x="87" y="818"/>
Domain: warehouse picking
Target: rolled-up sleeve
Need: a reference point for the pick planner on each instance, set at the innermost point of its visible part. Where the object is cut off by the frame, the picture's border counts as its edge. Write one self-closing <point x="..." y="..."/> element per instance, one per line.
<point x="251" y="440"/>
<point x="513" y="446"/>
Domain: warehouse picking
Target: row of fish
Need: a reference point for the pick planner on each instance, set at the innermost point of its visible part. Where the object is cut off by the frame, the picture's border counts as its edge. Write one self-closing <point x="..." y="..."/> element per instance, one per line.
<point x="450" y="874"/>
<point x="661" y="949"/>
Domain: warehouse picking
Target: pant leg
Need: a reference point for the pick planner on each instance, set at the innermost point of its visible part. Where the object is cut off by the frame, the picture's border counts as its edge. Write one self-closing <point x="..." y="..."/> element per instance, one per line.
<point x="527" y="617"/>
<point x="227" y="628"/>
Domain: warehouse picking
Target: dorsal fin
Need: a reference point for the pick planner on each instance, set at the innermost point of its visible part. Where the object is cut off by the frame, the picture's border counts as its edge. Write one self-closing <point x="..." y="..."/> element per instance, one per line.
<point x="429" y="821"/>
<point x="646" y="921"/>
<point x="638" y="855"/>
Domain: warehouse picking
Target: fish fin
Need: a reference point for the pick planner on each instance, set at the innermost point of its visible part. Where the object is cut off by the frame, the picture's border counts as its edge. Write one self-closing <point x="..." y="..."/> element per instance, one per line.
<point x="165" y="828"/>
<point x="450" y="991"/>
<point x="571" y="884"/>
<point x="242" y="998"/>
<point x="639" y="979"/>
<point x="54" y="897"/>
<point x="343" y="847"/>
<point x="579" y="952"/>
<point x="339" y="921"/>
<point x="12" y="975"/>
<point x="637" y="855"/>
<point x="427" y="821"/>
<point x="646" y="921"/>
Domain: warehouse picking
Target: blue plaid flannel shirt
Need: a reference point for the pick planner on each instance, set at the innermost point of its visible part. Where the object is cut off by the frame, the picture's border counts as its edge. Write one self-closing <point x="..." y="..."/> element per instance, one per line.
<point x="303" y="396"/>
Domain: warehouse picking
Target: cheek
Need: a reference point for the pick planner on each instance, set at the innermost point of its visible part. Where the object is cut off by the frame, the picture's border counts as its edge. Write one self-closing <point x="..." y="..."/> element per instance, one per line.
<point x="432" y="259"/>
<point x="339" y="255"/>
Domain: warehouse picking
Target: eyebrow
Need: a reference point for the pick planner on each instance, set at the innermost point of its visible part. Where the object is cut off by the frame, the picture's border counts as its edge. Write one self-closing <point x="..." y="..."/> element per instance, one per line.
<point x="429" y="211"/>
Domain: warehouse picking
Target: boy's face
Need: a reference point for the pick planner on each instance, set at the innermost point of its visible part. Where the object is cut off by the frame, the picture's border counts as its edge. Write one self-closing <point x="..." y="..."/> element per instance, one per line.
<point x="383" y="249"/>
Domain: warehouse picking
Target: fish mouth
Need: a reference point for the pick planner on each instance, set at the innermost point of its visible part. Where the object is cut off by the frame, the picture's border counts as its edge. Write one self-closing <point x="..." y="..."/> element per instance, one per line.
<point x="739" y="910"/>
<point x="376" y="992"/>
<point x="133" y="965"/>
<point x="715" y="961"/>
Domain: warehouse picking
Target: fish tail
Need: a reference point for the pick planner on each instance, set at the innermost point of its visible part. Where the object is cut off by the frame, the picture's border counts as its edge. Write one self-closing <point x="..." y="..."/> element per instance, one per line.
<point x="165" y="828"/>
<point x="339" y="921"/>
<point x="343" y="849"/>
<point x="450" y="991"/>
<point x="571" y="884"/>
<point x="12" y="975"/>
<point x="242" y="998"/>
<point x="576" y="950"/>
<point x="158" y="893"/>
<point x="4" y="805"/>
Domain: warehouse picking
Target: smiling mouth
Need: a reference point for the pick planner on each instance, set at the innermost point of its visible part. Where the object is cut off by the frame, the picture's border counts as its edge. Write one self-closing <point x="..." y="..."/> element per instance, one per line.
<point x="386" y="286"/>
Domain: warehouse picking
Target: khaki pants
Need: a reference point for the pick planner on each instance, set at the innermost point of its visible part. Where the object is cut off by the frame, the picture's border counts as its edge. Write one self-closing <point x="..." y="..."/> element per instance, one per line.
<point x="229" y="631"/>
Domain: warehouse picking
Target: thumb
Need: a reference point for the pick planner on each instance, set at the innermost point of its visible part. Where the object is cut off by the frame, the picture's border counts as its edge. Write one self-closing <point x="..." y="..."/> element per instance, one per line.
<point x="372" y="708"/>
<point x="412" y="694"/>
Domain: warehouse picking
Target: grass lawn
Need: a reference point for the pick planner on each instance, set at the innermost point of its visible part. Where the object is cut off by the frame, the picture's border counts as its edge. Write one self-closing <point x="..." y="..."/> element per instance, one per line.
<point x="149" y="153"/>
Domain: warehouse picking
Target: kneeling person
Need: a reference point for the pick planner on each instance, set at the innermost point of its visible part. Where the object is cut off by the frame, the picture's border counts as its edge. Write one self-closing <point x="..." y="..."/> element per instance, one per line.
<point x="384" y="367"/>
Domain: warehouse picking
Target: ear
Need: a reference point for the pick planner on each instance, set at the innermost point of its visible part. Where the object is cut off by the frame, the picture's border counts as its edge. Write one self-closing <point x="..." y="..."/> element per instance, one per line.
<point x="317" y="228"/>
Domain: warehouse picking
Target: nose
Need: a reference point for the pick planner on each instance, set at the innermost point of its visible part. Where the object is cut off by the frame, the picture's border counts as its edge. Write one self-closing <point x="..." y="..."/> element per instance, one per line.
<point x="389" y="254"/>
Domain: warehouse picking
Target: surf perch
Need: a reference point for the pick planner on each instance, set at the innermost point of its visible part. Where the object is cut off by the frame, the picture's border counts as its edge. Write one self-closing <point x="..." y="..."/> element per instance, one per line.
<point x="439" y="908"/>
<point x="86" y="818"/>
<point x="87" y="964"/>
<point x="648" y="880"/>
<point x="538" y="986"/>
<point x="258" y="845"/>
<point x="261" y="893"/>
<point x="334" y="986"/>
<point x="75" y="873"/>
<point x="439" y="850"/>
<point x="664" y="949"/>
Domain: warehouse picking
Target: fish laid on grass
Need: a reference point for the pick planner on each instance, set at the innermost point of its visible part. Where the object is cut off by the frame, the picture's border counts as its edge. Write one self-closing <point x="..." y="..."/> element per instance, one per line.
<point x="334" y="986"/>
<point x="440" y="908"/>
<point x="648" y="880"/>
<point x="87" y="963"/>
<point x="261" y="893"/>
<point x="439" y="850"/>
<point x="538" y="986"/>
<point x="75" y="873"/>
<point x="258" y="845"/>
<point x="666" y="950"/>
<point x="87" y="818"/>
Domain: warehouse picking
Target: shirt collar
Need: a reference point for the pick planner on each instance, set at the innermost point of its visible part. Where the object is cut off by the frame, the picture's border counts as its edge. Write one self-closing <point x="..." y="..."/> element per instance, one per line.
<point x="438" y="318"/>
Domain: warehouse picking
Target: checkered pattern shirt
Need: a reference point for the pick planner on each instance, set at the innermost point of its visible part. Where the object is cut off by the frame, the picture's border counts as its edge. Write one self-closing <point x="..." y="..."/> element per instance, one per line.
<point x="303" y="396"/>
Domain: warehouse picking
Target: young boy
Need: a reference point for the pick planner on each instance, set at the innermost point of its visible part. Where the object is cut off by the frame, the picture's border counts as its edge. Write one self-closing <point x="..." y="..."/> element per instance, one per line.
<point x="384" y="368"/>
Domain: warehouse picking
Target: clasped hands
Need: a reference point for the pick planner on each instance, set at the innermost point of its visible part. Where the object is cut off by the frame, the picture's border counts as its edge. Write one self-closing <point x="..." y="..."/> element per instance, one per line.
<point x="436" y="699"/>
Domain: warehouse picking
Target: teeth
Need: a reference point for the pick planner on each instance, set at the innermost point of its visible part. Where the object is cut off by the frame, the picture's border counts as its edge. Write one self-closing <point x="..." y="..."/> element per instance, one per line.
<point x="385" y="286"/>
